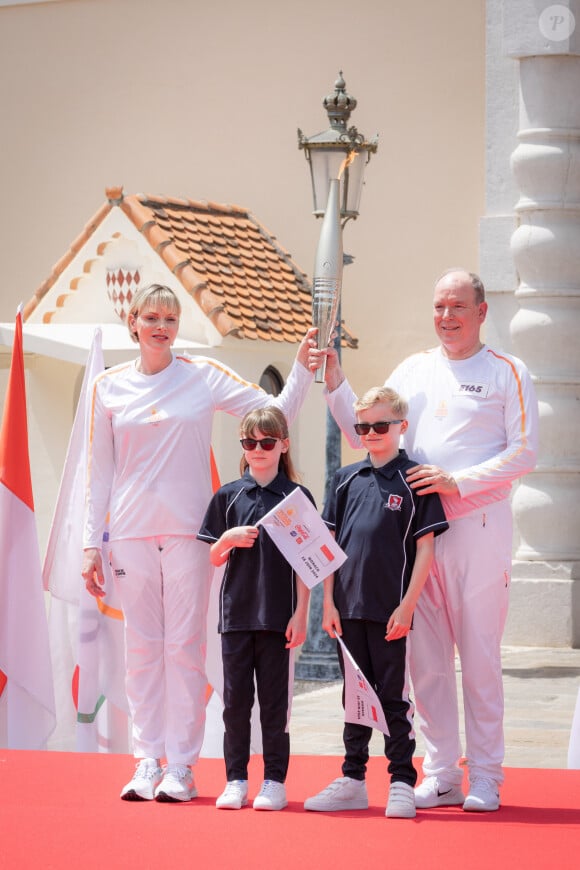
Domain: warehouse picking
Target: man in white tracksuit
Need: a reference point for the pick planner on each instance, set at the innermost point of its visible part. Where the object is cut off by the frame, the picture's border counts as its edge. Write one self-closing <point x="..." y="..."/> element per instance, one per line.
<point x="473" y="427"/>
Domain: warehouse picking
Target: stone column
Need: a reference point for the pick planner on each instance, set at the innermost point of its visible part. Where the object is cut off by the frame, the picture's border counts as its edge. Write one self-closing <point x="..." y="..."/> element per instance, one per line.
<point x="544" y="39"/>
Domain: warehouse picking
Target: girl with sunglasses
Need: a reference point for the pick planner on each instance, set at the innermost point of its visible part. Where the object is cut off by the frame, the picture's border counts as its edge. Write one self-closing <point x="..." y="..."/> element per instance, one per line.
<point x="263" y="608"/>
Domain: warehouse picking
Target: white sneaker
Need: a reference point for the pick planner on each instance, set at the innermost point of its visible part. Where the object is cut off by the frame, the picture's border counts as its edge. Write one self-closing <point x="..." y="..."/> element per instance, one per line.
<point x="401" y="804"/>
<point x="145" y="780"/>
<point x="234" y="796"/>
<point x="272" y="796"/>
<point x="483" y="796"/>
<point x="434" y="793"/>
<point x="343" y="793"/>
<point x="177" y="784"/>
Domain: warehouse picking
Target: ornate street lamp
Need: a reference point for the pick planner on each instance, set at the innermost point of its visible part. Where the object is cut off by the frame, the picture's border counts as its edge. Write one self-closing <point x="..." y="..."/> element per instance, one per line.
<point x="340" y="152"/>
<point x="325" y="153"/>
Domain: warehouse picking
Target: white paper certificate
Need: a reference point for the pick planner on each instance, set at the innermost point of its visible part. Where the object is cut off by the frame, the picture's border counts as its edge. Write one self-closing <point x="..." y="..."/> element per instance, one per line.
<point x="361" y="704"/>
<point x="303" y="538"/>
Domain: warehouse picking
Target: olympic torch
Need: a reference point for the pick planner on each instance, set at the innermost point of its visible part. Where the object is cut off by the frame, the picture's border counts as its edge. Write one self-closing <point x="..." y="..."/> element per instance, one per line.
<point x="327" y="273"/>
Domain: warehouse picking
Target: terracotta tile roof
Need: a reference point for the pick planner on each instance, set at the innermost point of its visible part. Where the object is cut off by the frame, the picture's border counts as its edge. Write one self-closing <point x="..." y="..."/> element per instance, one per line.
<point x="244" y="281"/>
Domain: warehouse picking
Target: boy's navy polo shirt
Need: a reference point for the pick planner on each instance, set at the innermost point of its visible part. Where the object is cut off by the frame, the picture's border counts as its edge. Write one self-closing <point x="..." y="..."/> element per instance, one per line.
<point x="377" y="519"/>
<point x="258" y="591"/>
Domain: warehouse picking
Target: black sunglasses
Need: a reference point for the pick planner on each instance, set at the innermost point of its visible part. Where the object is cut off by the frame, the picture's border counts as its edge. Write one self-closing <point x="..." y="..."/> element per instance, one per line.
<point x="380" y="428"/>
<point x="265" y="443"/>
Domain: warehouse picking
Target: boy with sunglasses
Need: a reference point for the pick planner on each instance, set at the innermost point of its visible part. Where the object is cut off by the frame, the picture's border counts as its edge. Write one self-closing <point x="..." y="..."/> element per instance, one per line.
<point x="387" y="532"/>
<point x="262" y="610"/>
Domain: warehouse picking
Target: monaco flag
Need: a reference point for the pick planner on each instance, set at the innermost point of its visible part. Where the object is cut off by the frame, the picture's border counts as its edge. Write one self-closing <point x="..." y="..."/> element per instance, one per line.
<point x="361" y="702"/>
<point x="27" y="710"/>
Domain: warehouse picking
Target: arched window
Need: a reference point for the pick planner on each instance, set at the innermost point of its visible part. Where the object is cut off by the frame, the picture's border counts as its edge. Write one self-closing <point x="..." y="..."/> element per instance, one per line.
<point x="272" y="381"/>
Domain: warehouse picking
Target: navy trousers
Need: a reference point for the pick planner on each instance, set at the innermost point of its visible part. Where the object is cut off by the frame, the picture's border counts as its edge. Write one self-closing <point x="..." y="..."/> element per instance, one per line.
<point x="263" y="654"/>
<point x="384" y="665"/>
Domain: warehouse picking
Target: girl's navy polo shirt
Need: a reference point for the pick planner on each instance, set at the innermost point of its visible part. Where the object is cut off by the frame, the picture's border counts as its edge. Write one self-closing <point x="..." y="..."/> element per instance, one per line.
<point x="258" y="590"/>
<point x="377" y="519"/>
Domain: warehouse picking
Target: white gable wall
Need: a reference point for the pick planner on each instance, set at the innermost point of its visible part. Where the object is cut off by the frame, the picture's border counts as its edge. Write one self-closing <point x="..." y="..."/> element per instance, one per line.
<point x="124" y="246"/>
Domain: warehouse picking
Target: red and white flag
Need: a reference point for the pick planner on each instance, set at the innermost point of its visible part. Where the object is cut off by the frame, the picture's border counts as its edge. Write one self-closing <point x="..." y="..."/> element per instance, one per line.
<point x="361" y="703"/>
<point x="27" y="709"/>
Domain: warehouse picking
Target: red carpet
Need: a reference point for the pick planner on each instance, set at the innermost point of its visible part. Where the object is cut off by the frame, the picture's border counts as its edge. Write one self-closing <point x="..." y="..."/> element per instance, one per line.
<point x="61" y="810"/>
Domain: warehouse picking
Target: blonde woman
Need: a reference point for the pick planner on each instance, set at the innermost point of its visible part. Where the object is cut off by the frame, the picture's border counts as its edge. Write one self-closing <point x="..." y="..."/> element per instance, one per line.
<point x="148" y="468"/>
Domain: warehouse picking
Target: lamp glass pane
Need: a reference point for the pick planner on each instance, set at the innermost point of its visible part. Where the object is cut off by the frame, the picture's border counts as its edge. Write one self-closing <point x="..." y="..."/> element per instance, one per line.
<point x="354" y="183"/>
<point x="325" y="164"/>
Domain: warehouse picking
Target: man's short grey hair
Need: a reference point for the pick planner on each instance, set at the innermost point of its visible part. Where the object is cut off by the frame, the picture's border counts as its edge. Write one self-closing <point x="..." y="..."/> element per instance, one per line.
<point x="476" y="281"/>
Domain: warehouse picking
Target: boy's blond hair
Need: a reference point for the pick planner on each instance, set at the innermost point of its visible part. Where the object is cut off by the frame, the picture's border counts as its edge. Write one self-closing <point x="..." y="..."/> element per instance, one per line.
<point x="375" y="395"/>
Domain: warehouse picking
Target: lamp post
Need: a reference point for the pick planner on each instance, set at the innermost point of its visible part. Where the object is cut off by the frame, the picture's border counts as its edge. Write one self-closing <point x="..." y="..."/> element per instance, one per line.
<point x="330" y="156"/>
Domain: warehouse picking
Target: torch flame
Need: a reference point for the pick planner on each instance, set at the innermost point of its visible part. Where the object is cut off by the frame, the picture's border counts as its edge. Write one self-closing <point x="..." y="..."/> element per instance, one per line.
<point x="346" y="162"/>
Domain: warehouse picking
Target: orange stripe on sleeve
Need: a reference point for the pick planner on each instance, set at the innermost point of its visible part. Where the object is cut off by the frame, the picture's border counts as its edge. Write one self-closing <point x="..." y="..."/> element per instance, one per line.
<point x="220" y="368"/>
<point x="517" y="379"/>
